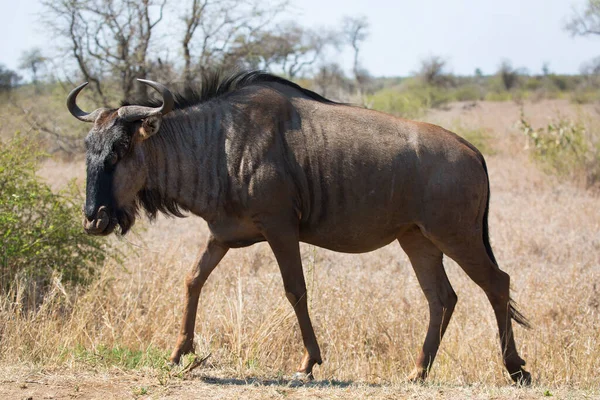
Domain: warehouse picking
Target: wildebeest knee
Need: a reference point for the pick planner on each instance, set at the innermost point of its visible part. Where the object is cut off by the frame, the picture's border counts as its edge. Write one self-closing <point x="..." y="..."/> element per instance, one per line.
<point x="444" y="301"/>
<point x="291" y="297"/>
<point x="294" y="299"/>
<point x="502" y="284"/>
<point x="450" y="300"/>
<point x="498" y="291"/>
<point x="194" y="280"/>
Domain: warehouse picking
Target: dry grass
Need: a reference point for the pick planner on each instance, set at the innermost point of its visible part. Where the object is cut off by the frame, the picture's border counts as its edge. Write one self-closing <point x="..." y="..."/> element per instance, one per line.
<point x="368" y="310"/>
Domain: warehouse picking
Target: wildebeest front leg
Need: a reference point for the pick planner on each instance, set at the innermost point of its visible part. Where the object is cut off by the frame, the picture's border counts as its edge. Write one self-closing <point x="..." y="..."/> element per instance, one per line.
<point x="285" y="246"/>
<point x="207" y="261"/>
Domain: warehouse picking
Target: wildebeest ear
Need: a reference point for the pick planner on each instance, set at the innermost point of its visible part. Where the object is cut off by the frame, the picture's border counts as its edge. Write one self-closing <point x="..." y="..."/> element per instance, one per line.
<point x="149" y="127"/>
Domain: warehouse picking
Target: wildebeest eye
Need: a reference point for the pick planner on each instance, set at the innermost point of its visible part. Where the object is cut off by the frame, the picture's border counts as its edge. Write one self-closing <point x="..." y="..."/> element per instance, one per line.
<point x="112" y="159"/>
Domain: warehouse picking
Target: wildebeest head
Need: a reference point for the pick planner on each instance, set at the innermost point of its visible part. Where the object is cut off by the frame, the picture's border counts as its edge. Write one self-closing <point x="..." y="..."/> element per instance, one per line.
<point x="114" y="159"/>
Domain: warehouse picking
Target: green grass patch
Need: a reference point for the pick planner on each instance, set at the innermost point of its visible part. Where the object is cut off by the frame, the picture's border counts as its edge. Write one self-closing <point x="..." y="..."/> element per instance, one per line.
<point x="122" y="357"/>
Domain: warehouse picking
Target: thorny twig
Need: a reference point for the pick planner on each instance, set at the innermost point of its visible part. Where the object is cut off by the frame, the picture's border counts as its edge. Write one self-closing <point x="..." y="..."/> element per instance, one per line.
<point x="193" y="365"/>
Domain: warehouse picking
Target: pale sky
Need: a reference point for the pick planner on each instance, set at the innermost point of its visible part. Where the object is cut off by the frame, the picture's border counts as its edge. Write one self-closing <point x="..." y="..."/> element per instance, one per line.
<point x="468" y="33"/>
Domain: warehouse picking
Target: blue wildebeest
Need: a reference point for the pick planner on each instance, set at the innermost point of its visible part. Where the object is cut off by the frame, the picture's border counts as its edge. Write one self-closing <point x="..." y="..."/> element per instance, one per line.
<point x="262" y="159"/>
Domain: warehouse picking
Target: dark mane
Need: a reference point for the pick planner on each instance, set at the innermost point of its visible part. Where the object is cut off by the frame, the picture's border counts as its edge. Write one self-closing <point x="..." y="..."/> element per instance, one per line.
<point x="215" y="84"/>
<point x="152" y="202"/>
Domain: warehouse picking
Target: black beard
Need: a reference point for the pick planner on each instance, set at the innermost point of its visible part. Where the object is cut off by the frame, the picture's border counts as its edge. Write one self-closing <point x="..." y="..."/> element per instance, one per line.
<point x="126" y="218"/>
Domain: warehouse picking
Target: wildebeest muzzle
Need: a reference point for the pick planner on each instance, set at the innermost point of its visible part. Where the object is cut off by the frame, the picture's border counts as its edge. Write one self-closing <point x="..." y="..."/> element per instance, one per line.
<point x="100" y="224"/>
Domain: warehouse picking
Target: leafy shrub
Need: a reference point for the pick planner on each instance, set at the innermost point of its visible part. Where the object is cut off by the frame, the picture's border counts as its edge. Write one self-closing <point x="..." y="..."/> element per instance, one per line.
<point x="8" y="79"/>
<point x="410" y="100"/>
<point x="397" y="103"/>
<point x="40" y="231"/>
<point x="583" y="96"/>
<point x="561" y="82"/>
<point x="498" y="96"/>
<point x="468" y="93"/>
<point x="430" y="96"/>
<point x="565" y="148"/>
<point x="544" y="93"/>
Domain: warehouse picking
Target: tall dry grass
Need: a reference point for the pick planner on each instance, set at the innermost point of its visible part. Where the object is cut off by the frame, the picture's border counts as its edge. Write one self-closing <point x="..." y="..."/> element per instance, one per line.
<point x="368" y="310"/>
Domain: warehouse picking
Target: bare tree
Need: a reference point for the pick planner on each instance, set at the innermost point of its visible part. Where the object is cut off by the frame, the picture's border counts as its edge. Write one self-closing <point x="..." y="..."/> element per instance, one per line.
<point x="33" y="61"/>
<point x="355" y="30"/>
<point x="591" y="67"/>
<point x="192" y="21"/>
<point x="289" y="47"/>
<point x="586" y="22"/>
<point x="508" y="75"/>
<point x="164" y="70"/>
<point x="546" y="69"/>
<point x="306" y="46"/>
<point x="433" y="72"/>
<point x="113" y="39"/>
<point x="107" y="36"/>
<point x="65" y="20"/>
<point x="330" y="81"/>
<point x="212" y="27"/>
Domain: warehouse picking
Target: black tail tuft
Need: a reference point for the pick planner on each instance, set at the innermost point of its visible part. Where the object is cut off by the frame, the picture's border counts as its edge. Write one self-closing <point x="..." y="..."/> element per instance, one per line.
<point x="514" y="313"/>
<point x="517" y="316"/>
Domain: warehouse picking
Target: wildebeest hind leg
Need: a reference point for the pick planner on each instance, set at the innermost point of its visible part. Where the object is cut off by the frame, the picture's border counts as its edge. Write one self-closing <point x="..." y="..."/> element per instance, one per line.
<point x="207" y="261"/>
<point x="426" y="260"/>
<point x="285" y="246"/>
<point x="472" y="256"/>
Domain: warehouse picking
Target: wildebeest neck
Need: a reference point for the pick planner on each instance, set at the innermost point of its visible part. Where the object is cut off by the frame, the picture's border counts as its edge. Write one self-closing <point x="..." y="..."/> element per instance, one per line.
<point x="185" y="163"/>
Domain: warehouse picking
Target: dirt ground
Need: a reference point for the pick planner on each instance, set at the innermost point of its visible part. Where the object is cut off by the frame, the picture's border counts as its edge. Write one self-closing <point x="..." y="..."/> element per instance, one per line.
<point x="209" y="384"/>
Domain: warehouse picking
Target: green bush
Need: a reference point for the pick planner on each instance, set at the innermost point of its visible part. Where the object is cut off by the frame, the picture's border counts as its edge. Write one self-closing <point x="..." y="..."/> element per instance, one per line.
<point x="397" y="103"/>
<point x="498" y="96"/>
<point x="533" y="83"/>
<point x="561" y="82"/>
<point x="40" y="231"/>
<point x="468" y="93"/>
<point x="430" y="96"/>
<point x="410" y="100"/>
<point x="565" y="148"/>
<point x="584" y="96"/>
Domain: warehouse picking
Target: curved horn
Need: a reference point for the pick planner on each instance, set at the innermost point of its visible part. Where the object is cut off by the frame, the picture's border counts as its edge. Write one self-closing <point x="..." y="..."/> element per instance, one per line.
<point x="78" y="112"/>
<point x="135" y="113"/>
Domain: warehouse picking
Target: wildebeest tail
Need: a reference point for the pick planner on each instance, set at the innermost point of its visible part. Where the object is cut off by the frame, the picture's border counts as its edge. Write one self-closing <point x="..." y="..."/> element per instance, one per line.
<point x="512" y="307"/>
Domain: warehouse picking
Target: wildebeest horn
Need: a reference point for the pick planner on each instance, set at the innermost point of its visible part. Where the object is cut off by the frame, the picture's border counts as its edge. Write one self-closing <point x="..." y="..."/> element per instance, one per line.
<point x="78" y="112"/>
<point x="135" y="113"/>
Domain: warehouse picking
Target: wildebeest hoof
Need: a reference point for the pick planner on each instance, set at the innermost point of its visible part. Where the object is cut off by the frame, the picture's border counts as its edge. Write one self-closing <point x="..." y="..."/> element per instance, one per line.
<point x="302" y="377"/>
<point x="183" y="348"/>
<point x="418" y="375"/>
<point x="175" y="359"/>
<point x="521" y="378"/>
